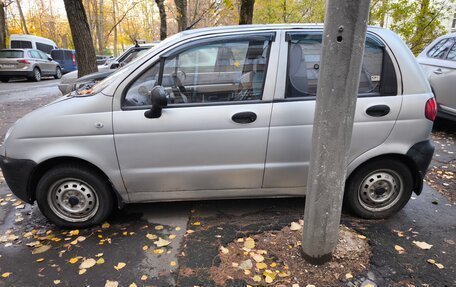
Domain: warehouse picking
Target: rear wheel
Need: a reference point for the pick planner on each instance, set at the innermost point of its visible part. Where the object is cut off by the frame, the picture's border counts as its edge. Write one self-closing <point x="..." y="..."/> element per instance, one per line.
<point x="74" y="196"/>
<point x="36" y="76"/>
<point x="58" y="73"/>
<point x="379" y="188"/>
<point x="4" y="80"/>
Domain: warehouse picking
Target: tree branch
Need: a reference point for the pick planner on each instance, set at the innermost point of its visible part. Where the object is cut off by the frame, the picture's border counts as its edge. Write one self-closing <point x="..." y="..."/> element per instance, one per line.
<point x="118" y="22"/>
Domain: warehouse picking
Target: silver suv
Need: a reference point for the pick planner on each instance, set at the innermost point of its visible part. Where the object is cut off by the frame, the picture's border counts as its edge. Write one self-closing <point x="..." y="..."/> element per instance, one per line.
<point x="32" y="64"/>
<point x="222" y="113"/>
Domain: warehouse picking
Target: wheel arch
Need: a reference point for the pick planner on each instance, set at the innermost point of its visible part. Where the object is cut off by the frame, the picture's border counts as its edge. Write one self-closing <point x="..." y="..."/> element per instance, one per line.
<point x="417" y="178"/>
<point x="48" y="164"/>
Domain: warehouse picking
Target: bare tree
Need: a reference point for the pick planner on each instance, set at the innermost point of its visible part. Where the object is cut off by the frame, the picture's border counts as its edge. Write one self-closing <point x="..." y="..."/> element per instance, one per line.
<point x="181" y="7"/>
<point x="163" y="25"/>
<point x="2" y="25"/>
<point x="100" y="29"/>
<point x="246" y="12"/>
<point x="82" y="39"/>
<point x="21" y="14"/>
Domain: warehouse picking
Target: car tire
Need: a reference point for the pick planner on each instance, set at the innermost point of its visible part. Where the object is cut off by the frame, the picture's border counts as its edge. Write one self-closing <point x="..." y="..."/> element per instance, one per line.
<point x="36" y="77"/>
<point x="378" y="189"/>
<point x="4" y="80"/>
<point x="74" y="196"/>
<point x="58" y="73"/>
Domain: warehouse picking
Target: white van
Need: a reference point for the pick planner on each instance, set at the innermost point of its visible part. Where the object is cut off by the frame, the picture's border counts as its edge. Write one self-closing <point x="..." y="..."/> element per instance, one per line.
<point x="32" y="42"/>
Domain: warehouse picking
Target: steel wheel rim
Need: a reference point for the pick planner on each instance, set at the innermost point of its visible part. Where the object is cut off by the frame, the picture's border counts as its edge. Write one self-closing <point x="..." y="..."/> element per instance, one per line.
<point x="59" y="73"/>
<point x="380" y="190"/>
<point x="73" y="200"/>
<point x="37" y="75"/>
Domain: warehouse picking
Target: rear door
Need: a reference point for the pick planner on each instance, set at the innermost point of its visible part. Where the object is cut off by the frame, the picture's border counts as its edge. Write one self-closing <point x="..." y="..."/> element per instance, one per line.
<point x="213" y="134"/>
<point x="290" y="134"/>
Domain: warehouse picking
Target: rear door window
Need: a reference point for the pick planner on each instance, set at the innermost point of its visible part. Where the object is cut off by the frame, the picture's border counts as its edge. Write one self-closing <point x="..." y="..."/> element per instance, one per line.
<point x="35" y="54"/>
<point x="378" y="75"/>
<point x="57" y="55"/>
<point x="68" y="55"/>
<point x="21" y="44"/>
<point x="441" y="49"/>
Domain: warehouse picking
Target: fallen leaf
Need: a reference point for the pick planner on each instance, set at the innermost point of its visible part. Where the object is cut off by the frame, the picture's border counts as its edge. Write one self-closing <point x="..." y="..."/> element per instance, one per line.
<point x="74" y="260"/>
<point x="197" y="223"/>
<point x="145" y="247"/>
<point x="56" y="282"/>
<point x="257" y="257"/>
<point x="295" y="226"/>
<point x="348" y="276"/>
<point x="224" y="250"/>
<point x="6" y="274"/>
<point x="100" y="261"/>
<point x="41" y="249"/>
<point x="177" y="228"/>
<point x="261" y="265"/>
<point x="99" y="255"/>
<point x="361" y="237"/>
<point x="422" y="245"/>
<point x="431" y="261"/>
<point x="257" y="278"/>
<point x="172" y="236"/>
<point x="159" y="227"/>
<point x="249" y="243"/>
<point x="247" y="264"/>
<point x="133" y="285"/>
<point x="82" y="271"/>
<point x="111" y="283"/>
<point x="74" y="232"/>
<point x="399" y="249"/>
<point x="39" y="260"/>
<point x="144" y="277"/>
<point x="151" y="236"/>
<point x="105" y="225"/>
<point x="162" y="242"/>
<point x="173" y="263"/>
<point x="440" y="266"/>
<point x="158" y="251"/>
<point x="119" y="266"/>
<point x="88" y="263"/>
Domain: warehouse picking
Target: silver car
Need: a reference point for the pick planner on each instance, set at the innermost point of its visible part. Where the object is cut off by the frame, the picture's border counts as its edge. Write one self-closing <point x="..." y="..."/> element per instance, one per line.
<point x="32" y="64"/>
<point x="439" y="63"/>
<point x="221" y="113"/>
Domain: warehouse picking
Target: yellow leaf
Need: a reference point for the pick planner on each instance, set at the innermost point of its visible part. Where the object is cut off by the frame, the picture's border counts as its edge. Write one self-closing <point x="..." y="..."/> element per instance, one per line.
<point x="144" y="278"/>
<point x="257" y="257"/>
<point x="41" y="249"/>
<point x="172" y="236"/>
<point x="74" y="260"/>
<point x="361" y="236"/>
<point x="88" y="263"/>
<point x="145" y="247"/>
<point x="177" y="228"/>
<point x="348" y="276"/>
<point x="257" y="278"/>
<point x="74" y="232"/>
<point x="173" y="263"/>
<point x="100" y="261"/>
<point x="99" y="255"/>
<point x="82" y="271"/>
<point x="423" y="245"/>
<point x="133" y="285"/>
<point x="39" y="260"/>
<point x="295" y="226"/>
<point x="249" y="243"/>
<point x="119" y="266"/>
<point x="105" y="225"/>
<point x="261" y="265"/>
<point x="158" y="251"/>
<point x="399" y="249"/>
<point x="111" y="283"/>
<point x="273" y="264"/>
<point x="224" y="250"/>
<point x="161" y="242"/>
<point x="151" y="236"/>
<point x="56" y="282"/>
<point x="432" y="261"/>
<point x="197" y="223"/>
<point x="6" y="274"/>
<point x="440" y="266"/>
<point x="159" y="227"/>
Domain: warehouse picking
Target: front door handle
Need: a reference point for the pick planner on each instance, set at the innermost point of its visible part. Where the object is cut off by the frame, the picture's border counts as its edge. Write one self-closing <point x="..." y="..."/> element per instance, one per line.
<point x="378" y="110"/>
<point x="438" y="71"/>
<point x="244" y="117"/>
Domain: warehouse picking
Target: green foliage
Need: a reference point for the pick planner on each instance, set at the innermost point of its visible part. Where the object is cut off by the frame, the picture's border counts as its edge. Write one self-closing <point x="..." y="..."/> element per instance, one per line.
<point x="289" y="11"/>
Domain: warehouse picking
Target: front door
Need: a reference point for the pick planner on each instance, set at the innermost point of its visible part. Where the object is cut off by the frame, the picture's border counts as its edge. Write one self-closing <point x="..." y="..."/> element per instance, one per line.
<point x="213" y="133"/>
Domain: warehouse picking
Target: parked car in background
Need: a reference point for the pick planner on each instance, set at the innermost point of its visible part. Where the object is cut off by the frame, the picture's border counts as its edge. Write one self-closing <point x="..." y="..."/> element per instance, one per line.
<point x="66" y="59"/>
<point x="32" y="64"/>
<point x="32" y="42"/>
<point x="222" y="112"/>
<point x="101" y="59"/>
<point x="70" y="81"/>
<point x="438" y="60"/>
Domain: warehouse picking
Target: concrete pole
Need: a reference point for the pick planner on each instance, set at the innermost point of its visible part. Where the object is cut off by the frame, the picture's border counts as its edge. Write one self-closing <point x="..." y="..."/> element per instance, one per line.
<point x="341" y="58"/>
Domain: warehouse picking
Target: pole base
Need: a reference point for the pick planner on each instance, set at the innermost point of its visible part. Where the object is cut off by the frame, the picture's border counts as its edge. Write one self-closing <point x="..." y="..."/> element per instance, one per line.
<point x="320" y="260"/>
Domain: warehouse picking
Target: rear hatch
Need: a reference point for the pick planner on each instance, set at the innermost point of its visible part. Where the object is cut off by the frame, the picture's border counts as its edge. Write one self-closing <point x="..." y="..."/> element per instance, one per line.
<point x="58" y="56"/>
<point x="9" y="59"/>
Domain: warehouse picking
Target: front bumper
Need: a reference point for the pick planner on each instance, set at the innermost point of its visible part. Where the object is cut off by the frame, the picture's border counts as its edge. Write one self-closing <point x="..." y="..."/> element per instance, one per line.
<point x="17" y="173"/>
<point x="421" y="154"/>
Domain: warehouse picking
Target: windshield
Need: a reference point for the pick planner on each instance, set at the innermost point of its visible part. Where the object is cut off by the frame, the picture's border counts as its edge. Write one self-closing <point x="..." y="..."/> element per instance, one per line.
<point x="11" y="54"/>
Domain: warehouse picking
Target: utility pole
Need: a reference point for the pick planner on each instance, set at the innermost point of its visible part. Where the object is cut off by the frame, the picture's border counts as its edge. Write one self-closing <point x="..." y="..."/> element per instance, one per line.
<point x="341" y="58"/>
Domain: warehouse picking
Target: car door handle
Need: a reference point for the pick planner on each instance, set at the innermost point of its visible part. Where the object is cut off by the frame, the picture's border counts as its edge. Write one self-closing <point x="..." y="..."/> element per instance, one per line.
<point x="438" y="71"/>
<point x="378" y="110"/>
<point x="244" y="117"/>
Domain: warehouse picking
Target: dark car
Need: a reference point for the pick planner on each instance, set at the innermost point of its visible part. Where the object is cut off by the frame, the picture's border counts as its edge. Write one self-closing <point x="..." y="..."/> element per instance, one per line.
<point x="66" y="59"/>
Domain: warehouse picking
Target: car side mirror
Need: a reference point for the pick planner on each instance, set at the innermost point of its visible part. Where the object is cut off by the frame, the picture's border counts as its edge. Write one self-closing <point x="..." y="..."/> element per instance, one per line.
<point x="50" y="58"/>
<point x="115" y="65"/>
<point x="159" y="100"/>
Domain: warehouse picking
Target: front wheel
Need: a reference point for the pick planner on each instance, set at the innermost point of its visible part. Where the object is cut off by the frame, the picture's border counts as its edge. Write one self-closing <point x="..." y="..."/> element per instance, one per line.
<point x="74" y="196"/>
<point x="58" y="73"/>
<point x="36" y="77"/>
<point x="379" y="189"/>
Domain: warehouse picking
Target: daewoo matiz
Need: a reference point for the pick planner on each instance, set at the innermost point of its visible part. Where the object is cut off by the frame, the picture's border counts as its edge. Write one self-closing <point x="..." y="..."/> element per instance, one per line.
<point x="221" y="113"/>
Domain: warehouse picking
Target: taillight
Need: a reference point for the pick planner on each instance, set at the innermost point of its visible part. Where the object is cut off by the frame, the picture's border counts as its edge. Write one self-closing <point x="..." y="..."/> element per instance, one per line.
<point x="430" y="111"/>
<point x="74" y="59"/>
<point x="23" y="61"/>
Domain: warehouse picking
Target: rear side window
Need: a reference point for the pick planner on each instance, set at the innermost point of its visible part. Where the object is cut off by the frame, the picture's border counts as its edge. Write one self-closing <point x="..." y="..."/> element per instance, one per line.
<point x="35" y="54"/>
<point x="44" y="47"/>
<point x="57" y="54"/>
<point x="378" y="76"/>
<point x="440" y="49"/>
<point x="452" y="53"/>
<point x="21" y="44"/>
<point x="68" y="55"/>
<point x="11" y="54"/>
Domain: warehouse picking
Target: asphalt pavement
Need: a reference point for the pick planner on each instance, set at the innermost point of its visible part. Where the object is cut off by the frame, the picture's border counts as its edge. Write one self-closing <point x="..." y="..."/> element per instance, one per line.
<point x="33" y="252"/>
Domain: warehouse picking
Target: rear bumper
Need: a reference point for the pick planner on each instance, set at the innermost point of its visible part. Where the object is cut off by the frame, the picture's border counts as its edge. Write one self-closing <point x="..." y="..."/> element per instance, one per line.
<point x="421" y="154"/>
<point x="16" y="73"/>
<point x="17" y="173"/>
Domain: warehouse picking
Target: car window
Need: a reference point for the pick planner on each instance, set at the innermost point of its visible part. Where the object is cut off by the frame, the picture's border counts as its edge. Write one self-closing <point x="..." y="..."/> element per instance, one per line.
<point x="452" y="53"/>
<point x="57" y="54"/>
<point x="133" y="55"/>
<point x="35" y="54"/>
<point x="304" y="67"/>
<point x="44" y="47"/>
<point x="11" y="54"/>
<point x="440" y="49"/>
<point x="43" y="55"/>
<point x="208" y="73"/>
<point x="21" y="44"/>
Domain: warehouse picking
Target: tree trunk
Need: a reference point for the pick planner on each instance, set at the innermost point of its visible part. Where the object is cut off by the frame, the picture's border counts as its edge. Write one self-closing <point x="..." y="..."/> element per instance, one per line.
<point x="82" y="39"/>
<point x="96" y="23"/>
<point x="2" y="25"/>
<point x="384" y="13"/>
<point x="21" y="14"/>
<point x="114" y="15"/>
<point x="246" y="12"/>
<point x="120" y="27"/>
<point x="181" y="7"/>
<point x="100" y="29"/>
<point x="163" y="25"/>
<point x="284" y="12"/>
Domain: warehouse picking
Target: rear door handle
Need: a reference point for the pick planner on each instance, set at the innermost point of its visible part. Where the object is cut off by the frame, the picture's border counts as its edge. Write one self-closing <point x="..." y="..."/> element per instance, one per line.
<point x="378" y="110"/>
<point x="438" y="71"/>
<point x="244" y="117"/>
